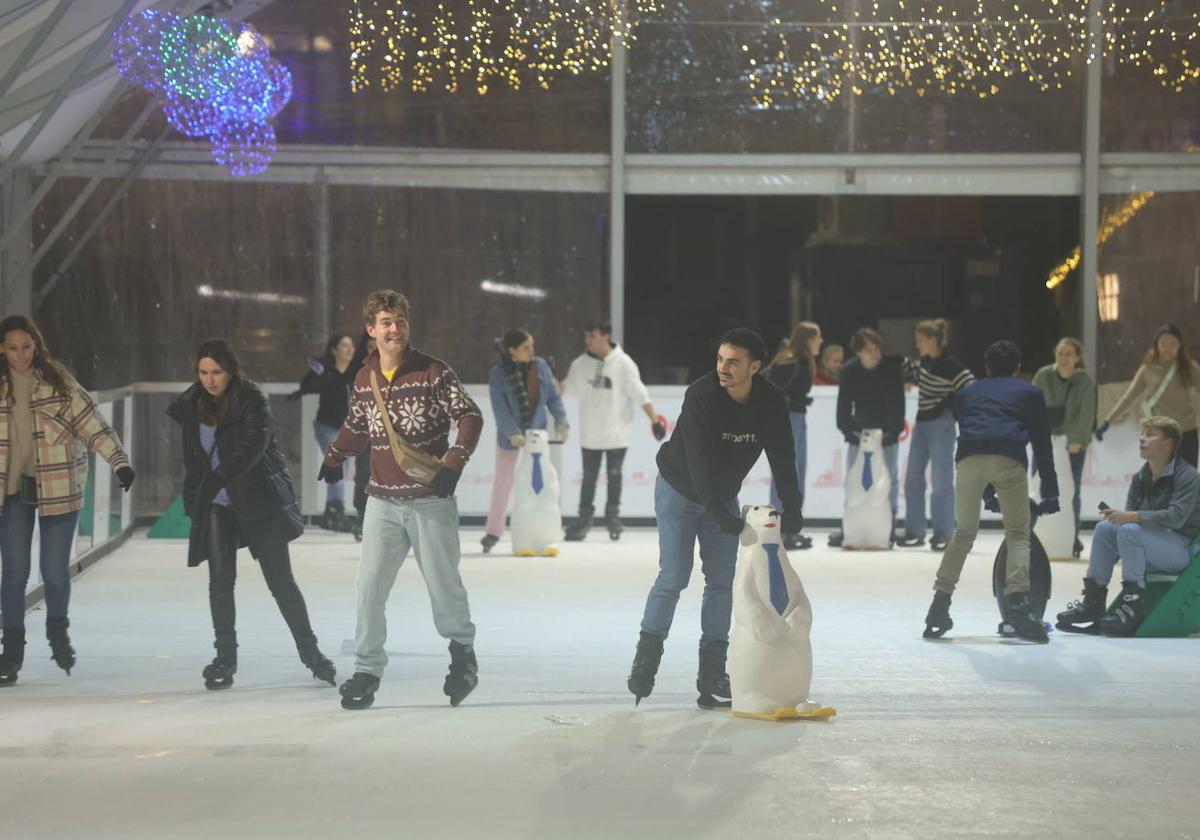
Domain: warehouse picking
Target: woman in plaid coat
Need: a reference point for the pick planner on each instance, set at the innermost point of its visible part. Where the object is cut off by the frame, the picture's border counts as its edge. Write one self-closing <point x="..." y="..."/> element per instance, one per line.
<point x="47" y="426"/>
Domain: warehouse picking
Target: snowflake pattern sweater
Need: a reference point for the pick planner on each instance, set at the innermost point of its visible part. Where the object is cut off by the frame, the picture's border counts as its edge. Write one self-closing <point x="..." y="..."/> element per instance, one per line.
<point x="422" y="399"/>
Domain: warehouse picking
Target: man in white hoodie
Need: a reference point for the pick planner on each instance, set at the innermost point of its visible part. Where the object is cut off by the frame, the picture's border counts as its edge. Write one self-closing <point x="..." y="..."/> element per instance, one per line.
<point x="608" y="385"/>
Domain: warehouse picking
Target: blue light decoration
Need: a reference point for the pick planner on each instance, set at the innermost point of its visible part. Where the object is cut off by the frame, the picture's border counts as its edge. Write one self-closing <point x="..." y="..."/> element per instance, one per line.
<point x="216" y="79"/>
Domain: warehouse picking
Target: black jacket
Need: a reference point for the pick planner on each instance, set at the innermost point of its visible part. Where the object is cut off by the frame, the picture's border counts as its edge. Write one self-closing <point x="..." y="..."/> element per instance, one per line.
<point x="251" y="463"/>
<point x="795" y="380"/>
<point x="871" y="399"/>
<point x="334" y="388"/>
<point x="717" y="441"/>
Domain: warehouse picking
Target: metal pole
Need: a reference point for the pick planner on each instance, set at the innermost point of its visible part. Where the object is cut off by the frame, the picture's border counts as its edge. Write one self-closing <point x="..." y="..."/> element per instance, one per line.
<point x="60" y="95"/>
<point x="1090" y="199"/>
<point x="91" y="185"/>
<point x="616" y="196"/>
<point x="132" y="175"/>
<point x="16" y="294"/>
<point x="60" y="163"/>
<point x="34" y="44"/>
<point x="322" y="286"/>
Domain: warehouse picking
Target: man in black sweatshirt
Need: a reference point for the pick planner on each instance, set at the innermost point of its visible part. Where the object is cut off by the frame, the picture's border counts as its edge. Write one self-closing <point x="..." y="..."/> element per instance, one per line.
<point x="729" y="417"/>
<point x="997" y="418"/>
<point x="871" y="396"/>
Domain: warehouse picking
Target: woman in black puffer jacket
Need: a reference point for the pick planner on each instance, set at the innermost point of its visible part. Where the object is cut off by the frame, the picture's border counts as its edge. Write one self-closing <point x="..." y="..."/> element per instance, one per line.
<point x="238" y="493"/>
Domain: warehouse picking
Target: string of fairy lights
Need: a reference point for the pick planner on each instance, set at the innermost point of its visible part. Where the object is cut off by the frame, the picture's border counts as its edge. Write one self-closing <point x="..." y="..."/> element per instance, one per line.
<point x="972" y="49"/>
<point x="483" y="43"/>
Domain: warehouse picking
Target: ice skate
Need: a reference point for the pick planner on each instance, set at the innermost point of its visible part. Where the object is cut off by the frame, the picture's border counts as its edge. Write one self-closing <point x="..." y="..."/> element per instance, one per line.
<point x="60" y="643"/>
<point x="645" y="666"/>
<point x="1020" y="618"/>
<point x="1083" y="615"/>
<point x="219" y="673"/>
<point x="358" y="692"/>
<point x="937" y="620"/>
<point x="578" y="530"/>
<point x="12" y="657"/>
<point x="1127" y="613"/>
<point x="711" y="681"/>
<point x="463" y="675"/>
<point x="320" y="665"/>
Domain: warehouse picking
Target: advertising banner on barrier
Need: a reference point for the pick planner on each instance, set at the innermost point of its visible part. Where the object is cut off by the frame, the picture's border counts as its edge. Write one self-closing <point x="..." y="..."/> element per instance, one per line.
<point x="1109" y="466"/>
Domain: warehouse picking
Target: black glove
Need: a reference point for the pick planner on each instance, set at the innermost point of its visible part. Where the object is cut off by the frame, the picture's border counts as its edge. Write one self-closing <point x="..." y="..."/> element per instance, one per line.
<point x="445" y="481"/>
<point x="990" y="500"/>
<point x="792" y="521"/>
<point x="331" y="474"/>
<point x="210" y="487"/>
<point x="125" y="477"/>
<point x="1101" y="430"/>
<point x="1047" y="507"/>
<point x="295" y="395"/>
<point x="658" y="428"/>
<point x="729" y="523"/>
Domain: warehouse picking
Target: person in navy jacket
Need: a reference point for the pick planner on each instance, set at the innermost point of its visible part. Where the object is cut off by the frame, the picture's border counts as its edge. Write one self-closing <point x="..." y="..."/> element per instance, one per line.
<point x="524" y="396"/>
<point x="997" y="418"/>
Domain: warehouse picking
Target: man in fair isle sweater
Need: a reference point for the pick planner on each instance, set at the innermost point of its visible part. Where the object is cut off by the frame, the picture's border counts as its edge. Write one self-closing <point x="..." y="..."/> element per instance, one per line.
<point x="422" y="395"/>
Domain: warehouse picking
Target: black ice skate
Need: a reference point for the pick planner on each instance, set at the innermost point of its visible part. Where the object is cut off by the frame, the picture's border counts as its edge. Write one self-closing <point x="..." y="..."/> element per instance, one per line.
<point x="1021" y="620"/>
<point x="578" y="530"/>
<point x="645" y="666"/>
<point x="218" y="674"/>
<point x="712" y="682"/>
<point x="60" y="643"/>
<point x="1081" y="616"/>
<point x="937" y="620"/>
<point x="1127" y="613"/>
<point x="488" y="542"/>
<point x="615" y="528"/>
<point x="463" y="675"/>
<point x="797" y="542"/>
<point x="12" y="657"/>
<point x="322" y="669"/>
<point x="358" y="692"/>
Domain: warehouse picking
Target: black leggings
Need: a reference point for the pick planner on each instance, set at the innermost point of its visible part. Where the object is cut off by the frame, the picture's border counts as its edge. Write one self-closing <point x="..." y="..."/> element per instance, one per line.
<point x="591" y="472"/>
<point x="223" y="537"/>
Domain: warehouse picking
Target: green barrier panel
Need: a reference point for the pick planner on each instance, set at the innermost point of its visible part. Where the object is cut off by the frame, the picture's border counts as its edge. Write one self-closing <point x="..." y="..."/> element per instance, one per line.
<point x="172" y="525"/>
<point x="1177" y="611"/>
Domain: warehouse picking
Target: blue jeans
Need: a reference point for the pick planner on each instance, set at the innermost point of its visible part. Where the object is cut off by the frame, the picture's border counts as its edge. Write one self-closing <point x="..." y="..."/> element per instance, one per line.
<point x="16" y="543"/>
<point x="680" y="523"/>
<point x="1141" y="549"/>
<point x="325" y="436"/>
<point x="932" y="444"/>
<point x="891" y="457"/>
<point x="800" y="439"/>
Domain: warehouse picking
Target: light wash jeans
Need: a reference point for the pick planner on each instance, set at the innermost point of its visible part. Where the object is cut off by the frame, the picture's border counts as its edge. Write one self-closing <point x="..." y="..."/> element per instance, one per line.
<point x="800" y="439"/>
<point x="1141" y="549"/>
<point x="16" y="545"/>
<point x="933" y="445"/>
<point x="681" y="522"/>
<point x="334" y="493"/>
<point x="429" y="526"/>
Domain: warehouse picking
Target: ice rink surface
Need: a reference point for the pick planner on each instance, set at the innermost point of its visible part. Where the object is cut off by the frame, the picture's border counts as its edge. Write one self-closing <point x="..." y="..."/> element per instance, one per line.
<point x="974" y="736"/>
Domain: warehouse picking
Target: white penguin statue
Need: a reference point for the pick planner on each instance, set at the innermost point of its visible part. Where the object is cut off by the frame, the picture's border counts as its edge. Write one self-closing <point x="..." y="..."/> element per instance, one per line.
<point x="770" y="657"/>
<point x="536" y="515"/>
<point x="867" y="523"/>
<point x="1056" y="531"/>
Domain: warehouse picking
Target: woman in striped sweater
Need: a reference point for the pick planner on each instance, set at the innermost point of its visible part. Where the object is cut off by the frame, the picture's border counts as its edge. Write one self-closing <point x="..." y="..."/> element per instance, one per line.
<point x="938" y="375"/>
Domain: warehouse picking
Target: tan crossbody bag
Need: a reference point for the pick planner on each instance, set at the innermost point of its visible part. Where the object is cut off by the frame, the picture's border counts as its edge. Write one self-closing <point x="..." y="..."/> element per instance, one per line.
<point x="420" y="466"/>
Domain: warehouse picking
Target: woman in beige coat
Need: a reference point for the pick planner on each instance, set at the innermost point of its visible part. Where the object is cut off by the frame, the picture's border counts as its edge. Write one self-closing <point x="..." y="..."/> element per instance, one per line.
<point x="1167" y="384"/>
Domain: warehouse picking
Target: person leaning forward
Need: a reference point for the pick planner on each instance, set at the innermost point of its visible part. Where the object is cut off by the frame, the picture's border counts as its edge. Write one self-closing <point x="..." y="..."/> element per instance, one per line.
<point x="998" y="416"/>
<point x="729" y="417"/>
<point x="405" y="508"/>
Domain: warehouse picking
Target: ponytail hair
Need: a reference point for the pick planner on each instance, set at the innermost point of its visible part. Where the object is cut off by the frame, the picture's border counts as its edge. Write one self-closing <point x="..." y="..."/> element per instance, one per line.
<point x="938" y="329"/>
<point x="795" y="349"/>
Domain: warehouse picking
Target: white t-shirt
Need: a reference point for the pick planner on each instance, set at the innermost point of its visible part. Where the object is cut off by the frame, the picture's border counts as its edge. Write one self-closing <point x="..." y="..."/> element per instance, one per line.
<point x="608" y="390"/>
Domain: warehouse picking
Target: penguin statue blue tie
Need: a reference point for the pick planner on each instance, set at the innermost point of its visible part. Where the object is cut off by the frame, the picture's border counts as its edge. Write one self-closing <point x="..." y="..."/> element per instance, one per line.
<point x="537" y="472"/>
<point x="779" y="593"/>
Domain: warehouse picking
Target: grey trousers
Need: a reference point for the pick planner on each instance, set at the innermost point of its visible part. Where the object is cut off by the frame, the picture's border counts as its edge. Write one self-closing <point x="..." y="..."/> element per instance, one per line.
<point x="428" y="526"/>
<point x="975" y="473"/>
